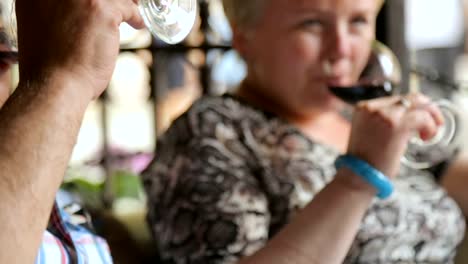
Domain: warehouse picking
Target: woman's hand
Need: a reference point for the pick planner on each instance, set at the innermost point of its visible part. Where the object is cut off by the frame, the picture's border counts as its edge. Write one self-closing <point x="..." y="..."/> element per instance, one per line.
<point x="382" y="127"/>
<point x="75" y="40"/>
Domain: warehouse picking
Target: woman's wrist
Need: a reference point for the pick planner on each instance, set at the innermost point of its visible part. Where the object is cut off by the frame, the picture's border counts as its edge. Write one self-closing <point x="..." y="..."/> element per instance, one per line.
<point x="352" y="182"/>
<point x="368" y="173"/>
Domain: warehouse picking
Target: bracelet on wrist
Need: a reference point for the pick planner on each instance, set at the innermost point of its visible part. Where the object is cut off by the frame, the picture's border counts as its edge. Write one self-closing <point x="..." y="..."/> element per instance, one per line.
<point x="368" y="173"/>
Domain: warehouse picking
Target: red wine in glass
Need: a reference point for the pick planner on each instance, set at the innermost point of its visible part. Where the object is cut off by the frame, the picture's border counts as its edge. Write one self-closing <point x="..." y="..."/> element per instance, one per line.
<point x="354" y="94"/>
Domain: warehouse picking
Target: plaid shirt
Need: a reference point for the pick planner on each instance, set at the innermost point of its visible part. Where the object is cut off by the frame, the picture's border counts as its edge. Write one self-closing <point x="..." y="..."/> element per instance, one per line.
<point x="64" y="242"/>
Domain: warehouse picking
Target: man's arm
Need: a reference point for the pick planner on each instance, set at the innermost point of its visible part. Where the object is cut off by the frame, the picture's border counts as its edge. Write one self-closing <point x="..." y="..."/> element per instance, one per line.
<point x="67" y="52"/>
<point x="38" y="130"/>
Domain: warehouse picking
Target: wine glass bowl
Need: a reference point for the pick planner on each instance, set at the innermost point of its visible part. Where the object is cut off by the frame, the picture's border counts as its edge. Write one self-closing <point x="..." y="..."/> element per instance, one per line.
<point x="380" y="77"/>
<point x="422" y="154"/>
<point x="382" y="66"/>
<point x="169" y="20"/>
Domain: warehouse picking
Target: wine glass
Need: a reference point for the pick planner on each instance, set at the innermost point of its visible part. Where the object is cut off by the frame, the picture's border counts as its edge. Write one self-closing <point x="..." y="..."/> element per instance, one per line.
<point x="381" y="77"/>
<point x="169" y="20"/>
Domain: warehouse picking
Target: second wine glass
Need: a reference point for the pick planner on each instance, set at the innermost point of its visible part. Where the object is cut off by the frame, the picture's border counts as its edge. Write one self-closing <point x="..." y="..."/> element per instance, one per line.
<point x="381" y="78"/>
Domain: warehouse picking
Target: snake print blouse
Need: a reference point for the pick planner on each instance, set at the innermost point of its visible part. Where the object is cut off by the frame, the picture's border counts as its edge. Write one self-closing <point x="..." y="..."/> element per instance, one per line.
<point x="228" y="176"/>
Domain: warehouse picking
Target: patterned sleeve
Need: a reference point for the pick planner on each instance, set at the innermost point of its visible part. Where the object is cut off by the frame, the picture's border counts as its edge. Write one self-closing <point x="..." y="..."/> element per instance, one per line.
<point x="205" y="203"/>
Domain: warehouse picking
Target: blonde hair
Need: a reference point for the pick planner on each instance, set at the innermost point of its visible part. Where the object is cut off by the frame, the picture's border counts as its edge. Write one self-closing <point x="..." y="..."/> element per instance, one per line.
<point x="381" y="2"/>
<point x="243" y="13"/>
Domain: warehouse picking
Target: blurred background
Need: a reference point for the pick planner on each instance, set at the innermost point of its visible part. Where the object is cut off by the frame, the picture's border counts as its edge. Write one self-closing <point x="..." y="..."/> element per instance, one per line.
<point x="154" y="83"/>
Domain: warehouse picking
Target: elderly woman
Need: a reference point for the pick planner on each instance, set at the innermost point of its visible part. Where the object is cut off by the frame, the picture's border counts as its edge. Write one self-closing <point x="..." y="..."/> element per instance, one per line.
<point x="261" y="176"/>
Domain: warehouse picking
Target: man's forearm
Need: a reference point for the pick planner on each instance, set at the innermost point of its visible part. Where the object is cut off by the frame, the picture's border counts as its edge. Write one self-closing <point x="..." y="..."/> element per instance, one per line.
<point x="38" y="131"/>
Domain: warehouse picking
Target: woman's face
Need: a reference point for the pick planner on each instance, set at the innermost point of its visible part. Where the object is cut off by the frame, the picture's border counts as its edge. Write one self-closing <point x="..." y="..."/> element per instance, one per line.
<point x="287" y="49"/>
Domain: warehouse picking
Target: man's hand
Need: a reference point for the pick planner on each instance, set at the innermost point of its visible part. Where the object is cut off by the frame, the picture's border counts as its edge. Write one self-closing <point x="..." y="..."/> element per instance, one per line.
<point x="75" y="39"/>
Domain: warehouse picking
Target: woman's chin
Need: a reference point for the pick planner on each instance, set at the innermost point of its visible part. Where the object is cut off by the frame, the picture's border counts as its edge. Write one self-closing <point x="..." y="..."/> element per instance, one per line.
<point x="332" y="102"/>
<point x="328" y="105"/>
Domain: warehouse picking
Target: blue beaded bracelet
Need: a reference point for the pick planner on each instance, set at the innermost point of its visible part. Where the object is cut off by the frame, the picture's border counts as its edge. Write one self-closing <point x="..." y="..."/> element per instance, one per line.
<point x="370" y="174"/>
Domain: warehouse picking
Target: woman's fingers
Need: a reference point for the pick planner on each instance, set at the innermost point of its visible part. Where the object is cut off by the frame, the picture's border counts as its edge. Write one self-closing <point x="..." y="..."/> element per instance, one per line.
<point x="414" y="108"/>
<point x="423" y="115"/>
<point x="382" y="128"/>
<point x="421" y="121"/>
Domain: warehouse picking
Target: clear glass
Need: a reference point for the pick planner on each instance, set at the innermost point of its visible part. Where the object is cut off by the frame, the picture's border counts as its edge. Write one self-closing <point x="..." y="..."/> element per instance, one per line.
<point x="169" y="20"/>
<point x="381" y="77"/>
<point x="422" y="154"/>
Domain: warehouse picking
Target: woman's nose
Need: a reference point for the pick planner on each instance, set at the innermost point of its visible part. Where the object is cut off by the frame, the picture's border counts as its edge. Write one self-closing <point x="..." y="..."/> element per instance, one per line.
<point x="339" y="45"/>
